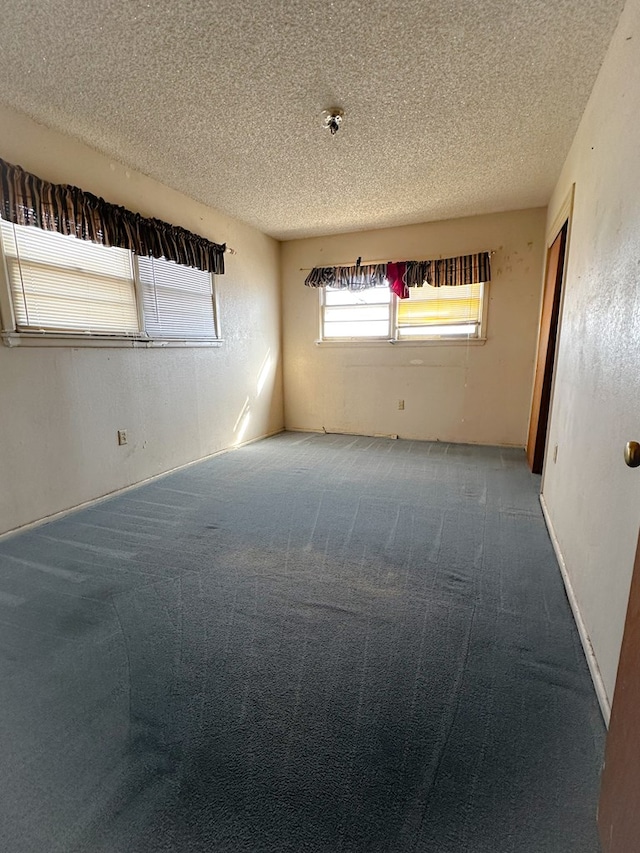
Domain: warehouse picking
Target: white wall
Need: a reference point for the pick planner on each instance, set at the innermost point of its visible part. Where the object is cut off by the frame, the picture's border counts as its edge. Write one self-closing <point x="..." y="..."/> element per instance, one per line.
<point x="60" y="408"/>
<point x="452" y="392"/>
<point x="593" y="500"/>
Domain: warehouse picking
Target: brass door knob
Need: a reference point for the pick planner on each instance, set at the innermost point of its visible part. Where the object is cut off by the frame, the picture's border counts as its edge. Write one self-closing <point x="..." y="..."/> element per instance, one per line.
<point x="632" y="454"/>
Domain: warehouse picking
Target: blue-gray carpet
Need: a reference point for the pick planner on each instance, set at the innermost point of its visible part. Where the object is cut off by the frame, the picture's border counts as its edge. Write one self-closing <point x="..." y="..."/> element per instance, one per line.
<point x="314" y="644"/>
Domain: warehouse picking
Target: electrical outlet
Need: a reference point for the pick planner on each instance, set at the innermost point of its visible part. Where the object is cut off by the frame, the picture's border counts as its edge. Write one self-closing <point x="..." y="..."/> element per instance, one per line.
<point x="122" y="436"/>
<point x="401" y="405"/>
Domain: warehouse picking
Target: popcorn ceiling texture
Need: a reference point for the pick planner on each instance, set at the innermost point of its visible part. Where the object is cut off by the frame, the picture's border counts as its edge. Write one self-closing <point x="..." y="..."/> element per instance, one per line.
<point x="451" y="108"/>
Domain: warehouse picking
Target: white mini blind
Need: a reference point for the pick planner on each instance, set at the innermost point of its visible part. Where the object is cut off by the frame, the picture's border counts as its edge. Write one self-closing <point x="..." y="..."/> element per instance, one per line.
<point x="59" y="283"/>
<point x="438" y="311"/>
<point x="356" y="314"/>
<point x="177" y="300"/>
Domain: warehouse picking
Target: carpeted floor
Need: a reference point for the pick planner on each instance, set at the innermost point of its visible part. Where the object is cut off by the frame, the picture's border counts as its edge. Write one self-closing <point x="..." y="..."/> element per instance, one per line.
<point x="315" y="644"/>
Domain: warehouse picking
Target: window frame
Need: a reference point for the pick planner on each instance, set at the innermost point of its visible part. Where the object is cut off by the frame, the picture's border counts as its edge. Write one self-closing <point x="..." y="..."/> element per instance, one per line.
<point x="12" y="336"/>
<point x="392" y="337"/>
<point x="359" y="339"/>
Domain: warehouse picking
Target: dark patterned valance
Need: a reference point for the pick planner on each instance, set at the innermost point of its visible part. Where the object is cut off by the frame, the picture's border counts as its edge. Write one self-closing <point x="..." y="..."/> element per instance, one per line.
<point x="27" y="200"/>
<point x="348" y="278"/>
<point x="465" y="269"/>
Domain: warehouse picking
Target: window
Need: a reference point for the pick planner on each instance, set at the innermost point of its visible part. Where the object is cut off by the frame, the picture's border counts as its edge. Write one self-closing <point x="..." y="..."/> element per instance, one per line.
<point x="61" y="286"/>
<point x="430" y="313"/>
<point x="440" y="312"/>
<point x="349" y="314"/>
<point x="177" y="301"/>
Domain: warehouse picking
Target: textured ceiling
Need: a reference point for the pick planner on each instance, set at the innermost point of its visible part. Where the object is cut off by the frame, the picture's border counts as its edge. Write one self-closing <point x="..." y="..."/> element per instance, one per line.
<point x="451" y="107"/>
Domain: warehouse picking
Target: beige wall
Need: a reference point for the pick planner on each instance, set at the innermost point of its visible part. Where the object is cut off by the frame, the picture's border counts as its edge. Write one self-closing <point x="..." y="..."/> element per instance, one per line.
<point x="593" y="500"/>
<point x="60" y="408"/>
<point x="452" y="392"/>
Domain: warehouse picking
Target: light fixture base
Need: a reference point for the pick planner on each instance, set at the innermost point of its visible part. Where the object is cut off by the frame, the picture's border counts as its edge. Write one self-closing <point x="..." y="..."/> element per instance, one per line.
<point x="332" y="119"/>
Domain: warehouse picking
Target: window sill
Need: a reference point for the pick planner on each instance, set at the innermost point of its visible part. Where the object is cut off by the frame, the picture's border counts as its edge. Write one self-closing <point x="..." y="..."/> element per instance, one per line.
<point x="21" y="339"/>
<point x="442" y="342"/>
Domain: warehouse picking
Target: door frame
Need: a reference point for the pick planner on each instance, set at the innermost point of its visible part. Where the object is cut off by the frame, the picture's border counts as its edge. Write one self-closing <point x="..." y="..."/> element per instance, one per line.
<point x="564" y="214"/>
<point x="619" y="779"/>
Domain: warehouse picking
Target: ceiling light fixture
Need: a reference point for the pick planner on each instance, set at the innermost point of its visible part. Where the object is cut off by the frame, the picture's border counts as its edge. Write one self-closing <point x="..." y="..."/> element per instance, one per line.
<point x="332" y="119"/>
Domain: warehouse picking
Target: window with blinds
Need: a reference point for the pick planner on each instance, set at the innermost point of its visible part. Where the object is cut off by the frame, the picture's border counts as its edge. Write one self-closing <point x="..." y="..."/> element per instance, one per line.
<point x="349" y="314"/>
<point x="177" y="301"/>
<point x="62" y="285"/>
<point x="432" y="312"/>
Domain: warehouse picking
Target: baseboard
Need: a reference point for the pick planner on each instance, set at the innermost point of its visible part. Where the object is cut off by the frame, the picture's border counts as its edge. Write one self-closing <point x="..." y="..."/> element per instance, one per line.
<point x="594" y="669"/>
<point x="93" y="501"/>
<point x="322" y="430"/>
